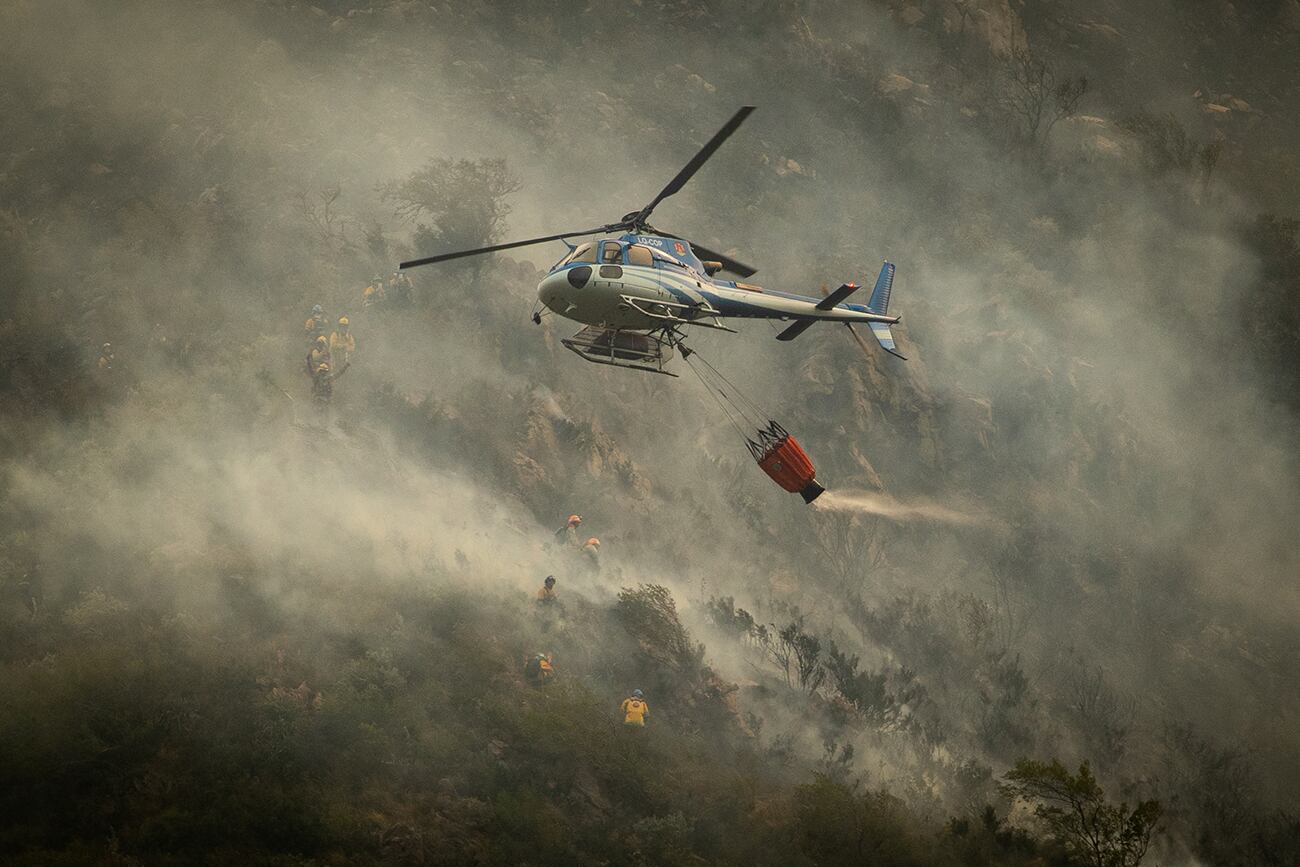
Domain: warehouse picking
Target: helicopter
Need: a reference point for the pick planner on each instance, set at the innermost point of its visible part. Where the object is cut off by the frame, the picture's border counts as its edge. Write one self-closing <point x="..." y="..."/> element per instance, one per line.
<point x="637" y="292"/>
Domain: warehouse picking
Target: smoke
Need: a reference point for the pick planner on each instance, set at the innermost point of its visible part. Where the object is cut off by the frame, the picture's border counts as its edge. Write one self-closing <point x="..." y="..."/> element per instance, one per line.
<point x="1068" y="376"/>
<point x="872" y="503"/>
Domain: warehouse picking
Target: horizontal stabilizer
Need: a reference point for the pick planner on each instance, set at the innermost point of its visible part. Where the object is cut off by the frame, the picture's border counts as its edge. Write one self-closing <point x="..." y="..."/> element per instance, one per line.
<point x="796" y="329"/>
<point x="879" y="302"/>
<point x="829" y="302"/>
<point x="884" y="335"/>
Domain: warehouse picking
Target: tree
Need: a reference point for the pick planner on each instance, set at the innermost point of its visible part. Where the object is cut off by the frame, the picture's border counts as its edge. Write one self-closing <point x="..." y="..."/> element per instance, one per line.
<point x="723" y="613"/>
<point x="852" y="548"/>
<point x="806" y="649"/>
<point x="1168" y="149"/>
<point x="1036" y="98"/>
<point x="649" y="615"/>
<point x="1271" y="307"/>
<point x="836" y="823"/>
<point x="1076" y="812"/>
<point x="1104" y="715"/>
<point x="464" y="201"/>
<point x="865" y="690"/>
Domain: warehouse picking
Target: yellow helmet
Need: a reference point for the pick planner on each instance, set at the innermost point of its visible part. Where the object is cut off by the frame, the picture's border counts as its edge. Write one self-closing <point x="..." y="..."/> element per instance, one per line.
<point x="343" y="320"/>
<point x="321" y="340"/>
<point x="323" y="366"/>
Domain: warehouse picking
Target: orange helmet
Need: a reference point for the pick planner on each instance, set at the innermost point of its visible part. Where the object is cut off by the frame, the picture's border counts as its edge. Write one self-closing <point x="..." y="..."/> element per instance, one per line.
<point x="575" y="520"/>
<point x="593" y="542"/>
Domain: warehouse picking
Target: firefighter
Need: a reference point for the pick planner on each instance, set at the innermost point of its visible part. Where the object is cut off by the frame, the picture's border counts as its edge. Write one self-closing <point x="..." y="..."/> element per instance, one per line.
<point x="318" y="354"/>
<point x="373" y="295"/>
<point x="342" y="343"/>
<point x="106" y="357"/>
<point x="591" y="551"/>
<point x="399" y="289"/>
<point x="568" y="534"/>
<point x="539" y="670"/>
<point x="635" y="710"/>
<point x="316" y="325"/>
<point x="546" y="595"/>
<point x="322" y="385"/>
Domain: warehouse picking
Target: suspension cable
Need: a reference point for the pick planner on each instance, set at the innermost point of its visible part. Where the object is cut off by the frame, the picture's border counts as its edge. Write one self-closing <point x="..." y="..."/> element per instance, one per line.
<point x="714" y="394"/>
<point x="759" y="416"/>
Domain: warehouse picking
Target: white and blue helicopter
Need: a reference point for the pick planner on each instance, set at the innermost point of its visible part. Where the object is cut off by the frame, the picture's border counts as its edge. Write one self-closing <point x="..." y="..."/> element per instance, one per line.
<point x="636" y="292"/>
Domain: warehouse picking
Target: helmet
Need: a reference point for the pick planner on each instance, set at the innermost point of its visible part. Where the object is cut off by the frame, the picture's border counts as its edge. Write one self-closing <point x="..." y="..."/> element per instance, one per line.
<point x="594" y="542"/>
<point x="323" y="367"/>
<point x="318" y="310"/>
<point x="321" y="340"/>
<point x="107" y="347"/>
<point x="636" y="693"/>
<point x="343" y="320"/>
<point x="575" y="520"/>
<point x="550" y="579"/>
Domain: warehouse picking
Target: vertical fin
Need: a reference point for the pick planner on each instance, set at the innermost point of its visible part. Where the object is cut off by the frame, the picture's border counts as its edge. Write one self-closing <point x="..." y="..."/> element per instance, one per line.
<point x="879" y="302"/>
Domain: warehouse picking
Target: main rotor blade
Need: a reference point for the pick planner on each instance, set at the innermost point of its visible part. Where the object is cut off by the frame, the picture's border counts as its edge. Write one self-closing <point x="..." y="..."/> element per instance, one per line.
<point x="443" y="257"/>
<point x="728" y="264"/>
<point x="698" y="160"/>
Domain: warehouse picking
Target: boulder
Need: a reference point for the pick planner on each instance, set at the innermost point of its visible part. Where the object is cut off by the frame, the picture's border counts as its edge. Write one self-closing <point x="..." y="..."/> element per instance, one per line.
<point x="895" y="83"/>
<point x="910" y="16"/>
<point x="991" y="22"/>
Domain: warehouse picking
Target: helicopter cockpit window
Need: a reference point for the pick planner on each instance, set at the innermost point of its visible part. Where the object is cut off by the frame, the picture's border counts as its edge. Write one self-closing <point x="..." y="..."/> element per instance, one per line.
<point x="611" y="251"/>
<point x="585" y="253"/>
<point x="638" y="255"/>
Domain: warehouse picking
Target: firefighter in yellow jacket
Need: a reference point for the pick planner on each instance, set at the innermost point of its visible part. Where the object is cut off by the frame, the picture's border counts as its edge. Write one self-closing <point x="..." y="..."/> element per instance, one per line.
<point x="635" y="710"/>
<point x="342" y="343"/>
<point x="373" y="295"/>
<point x="318" y="354"/>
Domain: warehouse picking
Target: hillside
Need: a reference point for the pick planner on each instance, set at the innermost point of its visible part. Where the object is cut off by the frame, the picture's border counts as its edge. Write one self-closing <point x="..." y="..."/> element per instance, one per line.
<point x="234" y="630"/>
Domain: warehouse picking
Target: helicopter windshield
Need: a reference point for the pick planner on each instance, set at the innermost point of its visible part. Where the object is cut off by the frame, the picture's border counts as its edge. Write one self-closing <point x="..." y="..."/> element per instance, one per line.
<point x="611" y="252"/>
<point x="584" y="253"/>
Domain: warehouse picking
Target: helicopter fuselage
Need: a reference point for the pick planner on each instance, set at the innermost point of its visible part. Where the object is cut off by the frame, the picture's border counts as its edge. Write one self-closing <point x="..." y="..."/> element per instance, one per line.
<point x="644" y="282"/>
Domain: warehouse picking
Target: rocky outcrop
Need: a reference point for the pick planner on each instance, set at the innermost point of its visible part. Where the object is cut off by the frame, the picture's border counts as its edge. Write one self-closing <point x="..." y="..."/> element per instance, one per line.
<point x="992" y="23"/>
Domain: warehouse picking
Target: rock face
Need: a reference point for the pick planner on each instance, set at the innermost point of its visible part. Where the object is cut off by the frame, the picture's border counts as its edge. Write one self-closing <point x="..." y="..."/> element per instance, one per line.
<point x="991" y="22"/>
<point x="1289" y="16"/>
<point x="895" y="83"/>
<point x="911" y="15"/>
